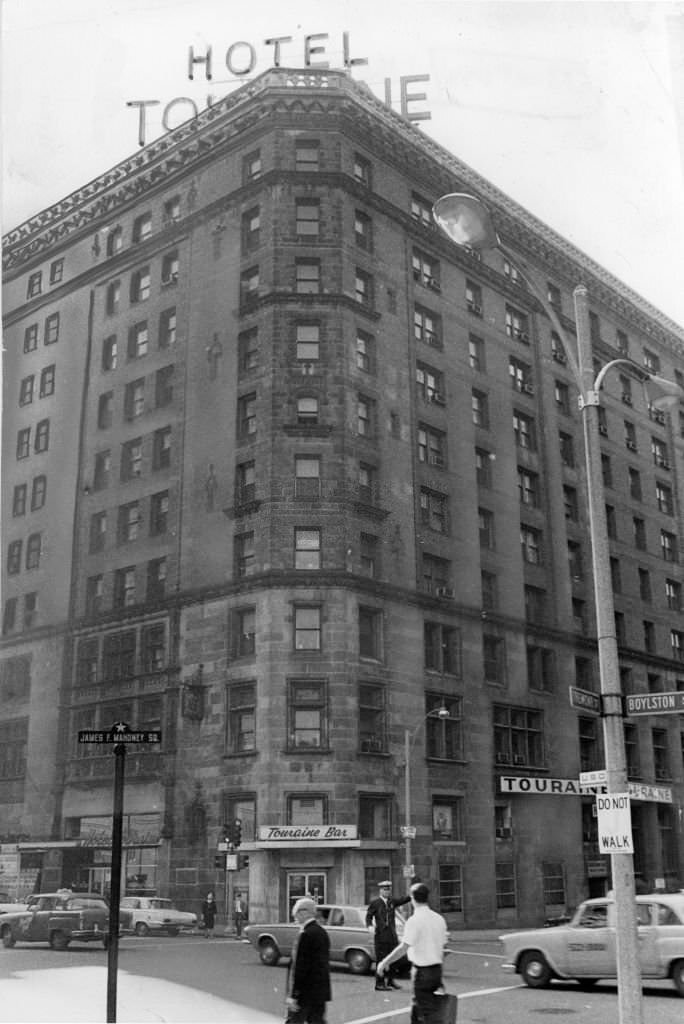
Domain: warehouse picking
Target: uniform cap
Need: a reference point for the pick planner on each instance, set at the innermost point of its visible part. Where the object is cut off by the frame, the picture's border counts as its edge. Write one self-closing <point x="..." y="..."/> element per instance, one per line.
<point x="385" y="885"/>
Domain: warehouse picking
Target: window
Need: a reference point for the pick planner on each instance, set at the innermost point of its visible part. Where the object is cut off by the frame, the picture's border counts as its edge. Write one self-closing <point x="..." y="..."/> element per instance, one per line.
<point x="14" y="550"/>
<point x="131" y="459"/>
<point x="47" y="381"/>
<point x="493" y="658"/>
<point x="98" y="531"/>
<point x="242" y="718"/>
<point x="611" y="522"/>
<point x="374" y="817"/>
<point x="669" y="548"/>
<point x="369" y="554"/>
<point x="103" y="465"/>
<point x="13" y="748"/>
<point x="171" y="210"/>
<point x="156" y="579"/>
<point x="505" y="881"/>
<point x="622" y="342"/>
<point x="634" y="484"/>
<point x="447" y="819"/>
<point x="364" y="288"/>
<point x="307" y="715"/>
<point x="660" y="453"/>
<point x="639" y="529"/>
<point x="308" y="213"/>
<point x="38" y="492"/>
<point x="620" y="631"/>
<point x="664" y="498"/>
<point x="520" y="374"/>
<point x="159" y="513"/>
<point x="163" y="386"/>
<point x="421" y="210"/>
<point x="307" y="155"/>
<point x="434" y="510"/>
<point x="489" y="588"/>
<point x="531" y="544"/>
<point x="571" y="504"/>
<point x="435" y="575"/>
<point x="248" y="350"/>
<point x="630" y="436"/>
<point x="485" y="522"/>
<point x="31" y="338"/>
<point x="138" y="339"/>
<point x="632" y="751"/>
<point x="425" y="269"/>
<point x="431" y="446"/>
<point x="118" y="656"/>
<point x="23" y="443"/>
<point x="372" y="718"/>
<point x="245" y="482"/>
<point x="109" y="353"/>
<point x="476" y="353"/>
<point x="473" y="295"/>
<point x="124" y="587"/>
<point x="153" y="648"/>
<point x="307" y="409"/>
<point x="517" y="325"/>
<point x="134" y="399"/>
<point x="249" y="287"/>
<point x="651" y="361"/>
<point x="35" y="284"/>
<point x="140" y="285"/>
<point x="246" y="416"/>
<point x="365" y="351"/>
<point x="128" y="522"/>
<point x="142" y="227"/>
<point x="307" y="476"/>
<point x="307" y="810"/>
<point x="427" y="327"/>
<point x="307" y="628"/>
<point x="114" y="241"/>
<point x="525" y="431"/>
<point x="479" y="403"/>
<point x="113" y="297"/>
<point x="562" y="396"/>
<point x="94" y="595"/>
<point x="307" y="548"/>
<point x="483" y="467"/>
<point x="645" y="585"/>
<point x="33" y="549"/>
<point x="87" y="662"/>
<point x="368" y="483"/>
<point x="307" y="277"/>
<point x="250" y="229"/>
<point x="370" y="633"/>
<point x="363" y="231"/>
<point x="661" y="758"/>
<point x="167" y="327"/>
<point x="19" y="500"/>
<point x="541" y="668"/>
<point x="170" y="268"/>
<point x="251" y="166"/>
<point x="649" y="636"/>
<point x="529" y="488"/>
<point x="444" y="736"/>
<point x="363" y="170"/>
<point x="518" y="735"/>
<point x="677" y="644"/>
<point x="26" y="390"/>
<point x="42" y="438"/>
<point x="365" y="416"/>
<point x="673" y="595"/>
<point x="308" y="344"/>
<point x="567" y="449"/>
<point x="450" y="884"/>
<point x="245" y="563"/>
<point x="553" y="294"/>
<point x="553" y="882"/>
<point x="244" y="620"/>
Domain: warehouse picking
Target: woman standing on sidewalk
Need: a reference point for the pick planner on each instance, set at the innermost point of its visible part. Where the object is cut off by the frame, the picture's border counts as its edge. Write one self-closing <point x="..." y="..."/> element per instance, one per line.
<point x="209" y="915"/>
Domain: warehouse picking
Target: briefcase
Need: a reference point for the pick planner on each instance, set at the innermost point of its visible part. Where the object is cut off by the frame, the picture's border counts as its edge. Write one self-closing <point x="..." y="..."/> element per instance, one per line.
<point x="448" y="1008"/>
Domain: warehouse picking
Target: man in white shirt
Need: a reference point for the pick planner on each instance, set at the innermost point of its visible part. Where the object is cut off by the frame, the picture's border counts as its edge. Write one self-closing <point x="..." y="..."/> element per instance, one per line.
<point x="425" y="935"/>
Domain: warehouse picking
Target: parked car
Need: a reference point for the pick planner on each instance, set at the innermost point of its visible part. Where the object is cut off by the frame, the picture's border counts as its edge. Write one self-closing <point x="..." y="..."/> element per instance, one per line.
<point x="10" y="906"/>
<point x="585" y="949"/>
<point x="58" y="918"/>
<point x="145" y="914"/>
<point x="351" y="943"/>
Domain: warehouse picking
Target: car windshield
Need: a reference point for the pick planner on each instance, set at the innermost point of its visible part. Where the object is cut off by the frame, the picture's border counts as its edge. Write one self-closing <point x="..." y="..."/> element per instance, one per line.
<point x="593" y="917"/>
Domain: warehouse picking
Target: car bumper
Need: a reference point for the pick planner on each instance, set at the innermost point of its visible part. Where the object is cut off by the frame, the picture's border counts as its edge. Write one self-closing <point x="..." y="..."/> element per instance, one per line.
<point x="508" y="968"/>
<point x="89" y="936"/>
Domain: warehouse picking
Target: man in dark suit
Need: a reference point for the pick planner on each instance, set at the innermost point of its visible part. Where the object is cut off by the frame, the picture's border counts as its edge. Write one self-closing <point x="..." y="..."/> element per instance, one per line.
<point x="309" y="980"/>
<point x="380" y="914"/>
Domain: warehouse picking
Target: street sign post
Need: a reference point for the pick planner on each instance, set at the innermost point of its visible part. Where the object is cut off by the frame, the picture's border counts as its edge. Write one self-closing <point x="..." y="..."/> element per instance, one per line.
<point x="120" y="735"/>
<point x="671" y="703"/>
<point x="585" y="700"/>
<point x="596" y="778"/>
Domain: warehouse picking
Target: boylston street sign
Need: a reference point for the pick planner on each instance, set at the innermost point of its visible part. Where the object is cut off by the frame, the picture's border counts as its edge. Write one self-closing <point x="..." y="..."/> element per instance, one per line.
<point x="655" y="703"/>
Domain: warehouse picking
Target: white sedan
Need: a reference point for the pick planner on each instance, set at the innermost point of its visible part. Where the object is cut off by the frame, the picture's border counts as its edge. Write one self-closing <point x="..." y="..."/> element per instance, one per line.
<point x="585" y="949"/>
<point x="145" y="914"/>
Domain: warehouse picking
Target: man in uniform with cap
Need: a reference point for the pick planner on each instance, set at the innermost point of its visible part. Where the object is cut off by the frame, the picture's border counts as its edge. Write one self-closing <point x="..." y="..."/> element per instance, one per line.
<point x="308" y="988"/>
<point x="380" y="914"/>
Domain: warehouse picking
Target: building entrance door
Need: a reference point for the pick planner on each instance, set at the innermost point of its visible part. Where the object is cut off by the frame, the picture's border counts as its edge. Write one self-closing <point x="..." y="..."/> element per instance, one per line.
<point x="305" y="883"/>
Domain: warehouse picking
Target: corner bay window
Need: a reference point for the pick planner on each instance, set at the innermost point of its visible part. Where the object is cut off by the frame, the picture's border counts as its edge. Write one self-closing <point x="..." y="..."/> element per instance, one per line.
<point x="307" y="628"/>
<point x="307" y="715"/>
<point x="241" y="718"/>
<point x="372" y="718"/>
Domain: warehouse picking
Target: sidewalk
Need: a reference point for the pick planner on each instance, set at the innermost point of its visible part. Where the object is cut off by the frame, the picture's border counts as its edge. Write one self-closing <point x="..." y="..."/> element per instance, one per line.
<point x="78" y="995"/>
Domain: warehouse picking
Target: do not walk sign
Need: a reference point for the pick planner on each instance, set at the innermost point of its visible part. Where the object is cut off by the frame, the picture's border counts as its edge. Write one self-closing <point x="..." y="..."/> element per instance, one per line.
<point x="614" y="823"/>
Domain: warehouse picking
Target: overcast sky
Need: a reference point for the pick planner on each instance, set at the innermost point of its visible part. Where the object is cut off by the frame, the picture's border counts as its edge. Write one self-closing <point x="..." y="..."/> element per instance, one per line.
<point x="575" y="109"/>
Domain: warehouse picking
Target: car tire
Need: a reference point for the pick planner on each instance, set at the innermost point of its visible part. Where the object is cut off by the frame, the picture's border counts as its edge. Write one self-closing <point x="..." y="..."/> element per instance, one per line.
<point x="8" y="939"/>
<point x="534" y="969"/>
<point x="142" y="929"/>
<point x="172" y="931"/>
<point x="59" y="940"/>
<point x="269" y="953"/>
<point x="678" y="976"/>
<point x="358" y="962"/>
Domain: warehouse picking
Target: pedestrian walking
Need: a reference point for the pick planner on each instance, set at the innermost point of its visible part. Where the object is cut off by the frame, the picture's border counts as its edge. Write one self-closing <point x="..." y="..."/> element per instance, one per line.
<point x="380" y="916"/>
<point x="308" y="988"/>
<point x="239" y="913"/>
<point x="209" y="915"/>
<point x="425" y="934"/>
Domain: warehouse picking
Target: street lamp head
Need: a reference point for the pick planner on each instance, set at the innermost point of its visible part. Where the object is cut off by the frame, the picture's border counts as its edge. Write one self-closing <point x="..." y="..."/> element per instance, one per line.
<point x="662" y="394"/>
<point x="466" y="221"/>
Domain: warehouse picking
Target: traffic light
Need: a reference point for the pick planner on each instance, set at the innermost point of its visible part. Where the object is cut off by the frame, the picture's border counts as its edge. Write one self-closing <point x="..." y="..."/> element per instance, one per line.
<point x="236" y="832"/>
<point x="243" y="861"/>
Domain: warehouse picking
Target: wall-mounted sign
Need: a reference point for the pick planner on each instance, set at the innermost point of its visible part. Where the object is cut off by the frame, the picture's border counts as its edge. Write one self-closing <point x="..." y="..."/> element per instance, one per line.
<point x="573" y="787"/>
<point x="241" y="59"/>
<point x="308" y="833"/>
<point x="614" y="823"/>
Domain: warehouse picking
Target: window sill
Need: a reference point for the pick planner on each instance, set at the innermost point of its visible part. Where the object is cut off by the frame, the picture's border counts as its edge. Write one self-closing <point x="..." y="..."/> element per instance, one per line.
<point x="296" y="751"/>
<point x="232" y="754"/>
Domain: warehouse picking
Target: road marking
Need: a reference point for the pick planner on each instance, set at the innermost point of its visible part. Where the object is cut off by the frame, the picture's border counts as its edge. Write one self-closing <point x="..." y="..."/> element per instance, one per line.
<point x="407" y="1009"/>
<point x="487" y="956"/>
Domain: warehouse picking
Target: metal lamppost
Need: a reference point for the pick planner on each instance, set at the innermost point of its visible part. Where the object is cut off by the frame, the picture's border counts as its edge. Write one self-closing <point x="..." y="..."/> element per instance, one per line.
<point x="442" y="713"/>
<point x="467" y="222"/>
